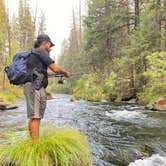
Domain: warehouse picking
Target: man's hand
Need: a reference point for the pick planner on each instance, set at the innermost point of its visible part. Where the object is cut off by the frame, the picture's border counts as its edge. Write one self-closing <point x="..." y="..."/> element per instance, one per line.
<point x="67" y="74"/>
<point x="59" y="70"/>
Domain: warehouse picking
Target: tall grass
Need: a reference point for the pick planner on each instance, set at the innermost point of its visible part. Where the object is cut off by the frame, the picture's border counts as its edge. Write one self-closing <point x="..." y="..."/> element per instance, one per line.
<point x="61" y="147"/>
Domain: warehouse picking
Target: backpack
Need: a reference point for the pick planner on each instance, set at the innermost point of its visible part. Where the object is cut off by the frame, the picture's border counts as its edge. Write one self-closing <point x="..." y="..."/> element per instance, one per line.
<point x="17" y="71"/>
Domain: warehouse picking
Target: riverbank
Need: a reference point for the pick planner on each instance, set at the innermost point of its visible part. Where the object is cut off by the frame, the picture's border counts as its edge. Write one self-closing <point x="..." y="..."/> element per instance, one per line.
<point x="86" y="89"/>
<point x="159" y="105"/>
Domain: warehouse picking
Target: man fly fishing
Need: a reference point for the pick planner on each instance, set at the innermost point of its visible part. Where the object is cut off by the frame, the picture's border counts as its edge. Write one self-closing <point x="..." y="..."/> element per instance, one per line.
<point x="34" y="90"/>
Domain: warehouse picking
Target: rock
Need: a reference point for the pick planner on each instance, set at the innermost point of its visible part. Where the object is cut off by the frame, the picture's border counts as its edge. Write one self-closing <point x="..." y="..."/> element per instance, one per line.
<point x="149" y="106"/>
<point x="103" y="100"/>
<point x="72" y="99"/>
<point x="132" y="101"/>
<point x="161" y="105"/>
<point x="7" y="106"/>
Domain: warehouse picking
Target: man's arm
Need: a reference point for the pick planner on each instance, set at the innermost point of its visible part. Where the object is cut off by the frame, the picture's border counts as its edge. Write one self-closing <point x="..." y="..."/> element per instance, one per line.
<point x="50" y="73"/>
<point x="57" y="70"/>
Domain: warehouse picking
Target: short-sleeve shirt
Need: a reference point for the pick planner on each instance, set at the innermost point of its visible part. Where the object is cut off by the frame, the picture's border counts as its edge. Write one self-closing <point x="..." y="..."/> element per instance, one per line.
<point x="40" y="60"/>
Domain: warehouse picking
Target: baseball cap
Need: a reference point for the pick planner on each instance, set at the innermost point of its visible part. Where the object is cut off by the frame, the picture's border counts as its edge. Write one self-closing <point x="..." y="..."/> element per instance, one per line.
<point x="44" y="37"/>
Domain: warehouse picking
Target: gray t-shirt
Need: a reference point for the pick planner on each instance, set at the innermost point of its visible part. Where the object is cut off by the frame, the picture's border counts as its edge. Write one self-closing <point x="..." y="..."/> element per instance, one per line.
<point x="39" y="60"/>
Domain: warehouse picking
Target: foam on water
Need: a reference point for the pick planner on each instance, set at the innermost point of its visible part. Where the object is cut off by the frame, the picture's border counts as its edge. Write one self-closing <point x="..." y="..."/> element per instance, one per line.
<point x="125" y="115"/>
<point x="154" y="160"/>
<point x="135" y="117"/>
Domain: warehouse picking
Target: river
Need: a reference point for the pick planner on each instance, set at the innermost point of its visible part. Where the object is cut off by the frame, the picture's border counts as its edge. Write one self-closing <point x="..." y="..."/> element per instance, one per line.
<point x="119" y="135"/>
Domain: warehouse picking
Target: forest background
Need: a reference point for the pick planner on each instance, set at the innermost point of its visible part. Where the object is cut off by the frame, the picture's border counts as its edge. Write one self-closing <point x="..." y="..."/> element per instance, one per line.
<point x="116" y="52"/>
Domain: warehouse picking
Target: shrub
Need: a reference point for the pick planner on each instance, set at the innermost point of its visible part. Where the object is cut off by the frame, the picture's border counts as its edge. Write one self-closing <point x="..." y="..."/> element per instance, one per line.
<point x="88" y="87"/>
<point x="65" y="147"/>
<point x="156" y="74"/>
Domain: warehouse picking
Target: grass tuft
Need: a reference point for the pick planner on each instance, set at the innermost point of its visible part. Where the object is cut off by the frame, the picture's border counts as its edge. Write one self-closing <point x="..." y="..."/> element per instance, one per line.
<point x="61" y="147"/>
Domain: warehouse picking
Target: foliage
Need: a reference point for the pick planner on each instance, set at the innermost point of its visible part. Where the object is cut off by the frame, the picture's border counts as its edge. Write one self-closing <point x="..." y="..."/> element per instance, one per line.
<point x="88" y="88"/>
<point x="17" y="33"/>
<point x="156" y="74"/>
<point x="8" y="97"/>
<point x="3" y="33"/>
<point x="60" y="147"/>
<point x="117" y="39"/>
<point x="60" y="88"/>
<point x="11" y="93"/>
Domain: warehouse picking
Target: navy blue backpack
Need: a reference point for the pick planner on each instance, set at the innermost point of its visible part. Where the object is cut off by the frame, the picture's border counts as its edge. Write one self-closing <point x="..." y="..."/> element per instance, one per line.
<point x="17" y="71"/>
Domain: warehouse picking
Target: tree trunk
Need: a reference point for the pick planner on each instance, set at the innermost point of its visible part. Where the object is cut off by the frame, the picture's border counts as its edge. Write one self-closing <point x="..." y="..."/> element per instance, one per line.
<point x="80" y="19"/>
<point x="137" y="13"/>
<point x="158" y="17"/>
<point x="128" y="16"/>
<point x="164" y="42"/>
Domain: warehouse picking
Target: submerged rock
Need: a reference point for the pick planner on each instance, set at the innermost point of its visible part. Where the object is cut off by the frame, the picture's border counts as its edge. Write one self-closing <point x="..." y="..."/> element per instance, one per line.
<point x="161" y="105"/>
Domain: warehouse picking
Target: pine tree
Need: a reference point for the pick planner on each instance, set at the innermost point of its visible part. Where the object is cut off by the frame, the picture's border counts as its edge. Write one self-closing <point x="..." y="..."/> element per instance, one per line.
<point x="26" y="26"/>
<point x="3" y="34"/>
<point x="42" y="24"/>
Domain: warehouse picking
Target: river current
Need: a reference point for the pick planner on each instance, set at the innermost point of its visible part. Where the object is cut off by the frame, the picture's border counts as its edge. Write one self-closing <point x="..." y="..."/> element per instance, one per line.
<point x="119" y="135"/>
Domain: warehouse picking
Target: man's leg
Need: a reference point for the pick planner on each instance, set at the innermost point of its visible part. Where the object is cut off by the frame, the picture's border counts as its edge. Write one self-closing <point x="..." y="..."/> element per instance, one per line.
<point x="34" y="128"/>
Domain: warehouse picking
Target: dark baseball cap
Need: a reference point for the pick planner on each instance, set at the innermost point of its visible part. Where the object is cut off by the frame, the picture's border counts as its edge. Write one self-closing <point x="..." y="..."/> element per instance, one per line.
<point x="44" y="37"/>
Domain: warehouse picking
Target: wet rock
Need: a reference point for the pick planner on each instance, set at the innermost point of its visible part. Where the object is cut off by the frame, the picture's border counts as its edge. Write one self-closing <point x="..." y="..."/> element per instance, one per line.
<point x="7" y="106"/>
<point x="161" y="105"/>
<point x="72" y="99"/>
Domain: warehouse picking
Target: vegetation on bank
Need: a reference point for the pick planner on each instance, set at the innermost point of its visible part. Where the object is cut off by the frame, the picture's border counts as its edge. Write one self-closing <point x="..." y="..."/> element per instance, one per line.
<point x="16" y="37"/>
<point x="10" y="93"/>
<point x="90" y="87"/>
<point x="155" y="88"/>
<point x="55" y="147"/>
<point x="119" y="51"/>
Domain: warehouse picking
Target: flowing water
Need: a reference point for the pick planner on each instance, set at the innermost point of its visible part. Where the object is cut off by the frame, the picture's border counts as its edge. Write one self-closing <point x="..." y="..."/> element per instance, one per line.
<point x="119" y="135"/>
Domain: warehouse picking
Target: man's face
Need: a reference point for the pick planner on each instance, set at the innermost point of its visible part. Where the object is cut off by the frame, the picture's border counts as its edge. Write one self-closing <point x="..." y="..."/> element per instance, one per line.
<point x="46" y="45"/>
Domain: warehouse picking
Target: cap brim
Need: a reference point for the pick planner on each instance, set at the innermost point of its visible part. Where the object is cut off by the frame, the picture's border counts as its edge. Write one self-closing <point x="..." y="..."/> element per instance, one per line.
<point x="52" y="44"/>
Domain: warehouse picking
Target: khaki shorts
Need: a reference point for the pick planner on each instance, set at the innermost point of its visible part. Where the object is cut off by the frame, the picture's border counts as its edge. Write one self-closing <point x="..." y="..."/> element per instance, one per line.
<point x="36" y="101"/>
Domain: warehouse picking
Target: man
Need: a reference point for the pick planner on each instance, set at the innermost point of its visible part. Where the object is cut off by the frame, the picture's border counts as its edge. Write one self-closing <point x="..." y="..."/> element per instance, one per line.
<point x="34" y="90"/>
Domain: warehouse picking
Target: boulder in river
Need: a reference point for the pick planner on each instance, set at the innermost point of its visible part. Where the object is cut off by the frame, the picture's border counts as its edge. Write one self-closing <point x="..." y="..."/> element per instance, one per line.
<point x="72" y="99"/>
<point x="161" y="105"/>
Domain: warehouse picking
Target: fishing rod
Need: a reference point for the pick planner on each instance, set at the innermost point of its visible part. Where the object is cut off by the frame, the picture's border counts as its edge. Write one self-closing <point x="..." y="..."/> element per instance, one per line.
<point x="62" y="77"/>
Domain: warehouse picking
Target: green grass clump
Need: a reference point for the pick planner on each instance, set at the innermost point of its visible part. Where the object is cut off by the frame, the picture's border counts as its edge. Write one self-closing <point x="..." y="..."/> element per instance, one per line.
<point x="8" y="97"/>
<point x="61" y="147"/>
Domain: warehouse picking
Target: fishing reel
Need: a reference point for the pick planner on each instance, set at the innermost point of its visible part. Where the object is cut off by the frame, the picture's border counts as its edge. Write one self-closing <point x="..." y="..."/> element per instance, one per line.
<point x="61" y="80"/>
